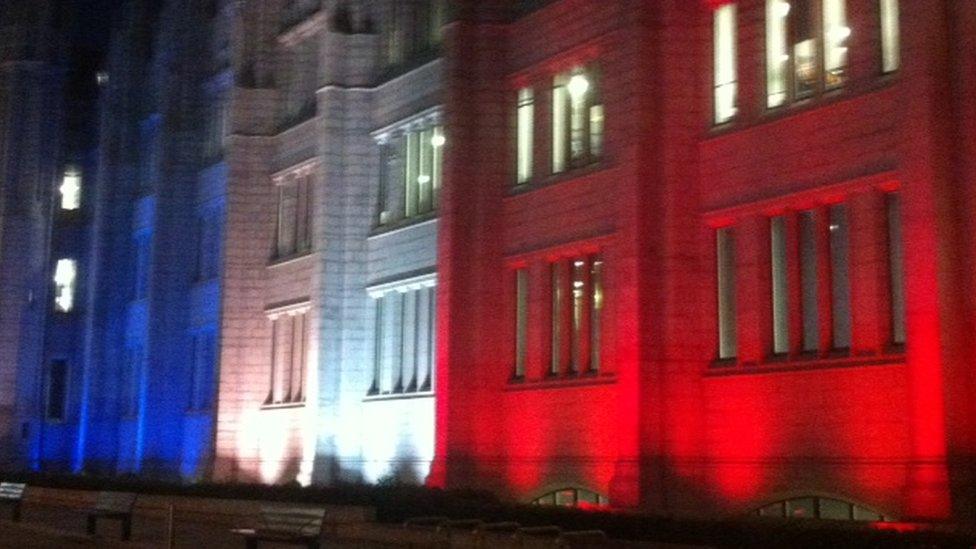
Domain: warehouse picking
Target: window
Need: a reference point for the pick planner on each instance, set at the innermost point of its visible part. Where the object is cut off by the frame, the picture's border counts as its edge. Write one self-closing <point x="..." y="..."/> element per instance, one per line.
<point x="572" y="497"/>
<point x="217" y="128"/>
<point x="422" y="177"/>
<point x="725" y="59"/>
<point x="577" y="119"/>
<point x="294" y="225"/>
<point x="577" y="303"/>
<point x="70" y="190"/>
<point x="890" y="36"/>
<point x="57" y="391"/>
<point x="413" y="29"/>
<point x="204" y="360"/>
<point x="796" y="34"/>
<point x="65" y="279"/>
<point x="404" y="341"/>
<point x="411" y="173"/>
<point x="896" y="268"/>
<point x="819" y="508"/>
<point x="142" y="244"/>
<point x="809" y="276"/>
<point x="839" y="278"/>
<point x="208" y="246"/>
<point x="524" y="144"/>
<point x="289" y="355"/>
<point x="521" y="320"/>
<point x="780" y="285"/>
<point x="725" y="261"/>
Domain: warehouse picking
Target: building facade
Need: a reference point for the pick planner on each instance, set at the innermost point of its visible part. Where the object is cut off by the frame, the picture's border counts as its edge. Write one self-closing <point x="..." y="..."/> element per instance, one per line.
<point x="690" y="257"/>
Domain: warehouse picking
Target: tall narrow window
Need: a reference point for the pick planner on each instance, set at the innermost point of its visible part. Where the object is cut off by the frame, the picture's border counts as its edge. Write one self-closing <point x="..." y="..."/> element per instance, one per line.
<point x="577" y="119"/>
<point x="70" y="190"/>
<point x="839" y="277"/>
<point x="524" y="145"/>
<point x="57" y="390"/>
<point x="556" y="341"/>
<point x="379" y="337"/>
<point x="423" y="154"/>
<point x="65" y="276"/>
<point x="596" y="310"/>
<point x="403" y="342"/>
<point x="808" y="282"/>
<point x="725" y="261"/>
<point x="805" y="58"/>
<point x="896" y="269"/>
<point x="780" y="288"/>
<point x="437" y="142"/>
<point x="777" y="53"/>
<point x="725" y="60"/>
<point x="521" y="320"/>
<point x="890" y="36"/>
<point x="294" y="223"/>
<point x="289" y="343"/>
<point x="835" y="35"/>
<point x="580" y="313"/>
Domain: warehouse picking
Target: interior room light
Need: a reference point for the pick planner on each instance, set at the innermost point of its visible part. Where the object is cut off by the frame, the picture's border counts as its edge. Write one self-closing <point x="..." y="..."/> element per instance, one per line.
<point x="783" y="9"/>
<point x="438" y="140"/>
<point x="840" y="33"/>
<point x="423" y="179"/>
<point x="64" y="281"/>
<point x="578" y="86"/>
<point x="70" y="189"/>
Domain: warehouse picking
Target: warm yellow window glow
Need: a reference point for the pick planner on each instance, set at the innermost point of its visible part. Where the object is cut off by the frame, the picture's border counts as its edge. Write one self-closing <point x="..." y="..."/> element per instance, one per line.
<point x="70" y="190"/>
<point x="65" y="274"/>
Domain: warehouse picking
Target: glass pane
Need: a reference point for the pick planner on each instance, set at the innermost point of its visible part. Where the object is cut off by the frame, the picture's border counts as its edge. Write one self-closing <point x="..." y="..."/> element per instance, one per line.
<point x="557" y="308"/>
<point x="777" y="53"/>
<point x="860" y="513"/>
<point x="780" y="289"/>
<point x="596" y="131"/>
<point x="579" y="306"/>
<point x="896" y="268"/>
<point x="596" y="304"/>
<point x="836" y="34"/>
<point x="725" y="245"/>
<point x="839" y="277"/>
<point x="834" y="509"/>
<point x="805" y="74"/>
<point x="808" y="281"/>
<point x="725" y="60"/>
<point x="526" y="113"/>
<point x="775" y="510"/>
<point x="521" y="320"/>
<point x="890" y="36"/>
<point x="800" y="508"/>
<point x="57" y="390"/>
<point x="560" y="109"/>
<point x="566" y="498"/>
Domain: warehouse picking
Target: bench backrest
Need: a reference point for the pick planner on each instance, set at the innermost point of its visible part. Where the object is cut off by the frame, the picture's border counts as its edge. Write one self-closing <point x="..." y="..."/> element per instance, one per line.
<point x="115" y="502"/>
<point x="12" y="491"/>
<point x="300" y="521"/>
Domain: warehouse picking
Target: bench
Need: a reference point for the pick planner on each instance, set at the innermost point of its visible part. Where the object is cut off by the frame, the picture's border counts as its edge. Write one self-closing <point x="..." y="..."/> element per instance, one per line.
<point x="291" y="525"/>
<point x="13" y="494"/>
<point x="113" y="506"/>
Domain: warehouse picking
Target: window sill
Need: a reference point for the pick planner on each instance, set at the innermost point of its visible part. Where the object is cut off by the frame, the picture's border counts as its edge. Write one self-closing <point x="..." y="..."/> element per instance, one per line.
<point x="588" y="379"/>
<point x="381" y="397"/>
<point x="805" y="362"/>
<point x="284" y="260"/>
<point x="403" y="224"/>
<point x="569" y="174"/>
<point x="283" y="405"/>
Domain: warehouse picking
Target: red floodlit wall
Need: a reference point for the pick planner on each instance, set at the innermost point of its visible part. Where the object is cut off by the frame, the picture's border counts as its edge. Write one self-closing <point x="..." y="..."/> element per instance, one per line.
<point x="665" y="426"/>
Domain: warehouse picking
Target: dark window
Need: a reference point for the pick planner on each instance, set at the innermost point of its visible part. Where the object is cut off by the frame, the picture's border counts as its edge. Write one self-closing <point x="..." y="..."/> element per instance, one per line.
<point x="57" y="390"/>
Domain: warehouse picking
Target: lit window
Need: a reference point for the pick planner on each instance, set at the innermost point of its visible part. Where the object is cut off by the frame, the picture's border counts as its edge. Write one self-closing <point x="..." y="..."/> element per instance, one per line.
<point x="71" y="190"/>
<point x="524" y="145"/>
<point x="795" y="36"/>
<point x="577" y="304"/>
<point x="577" y="119"/>
<point x="404" y="345"/>
<point x="65" y="274"/>
<point x="819" y="508"/>
<point x="423" y="153"/>
<point x="890" y="36"/>
<point x="725" y="260"/>
<point x="725" y="59"/>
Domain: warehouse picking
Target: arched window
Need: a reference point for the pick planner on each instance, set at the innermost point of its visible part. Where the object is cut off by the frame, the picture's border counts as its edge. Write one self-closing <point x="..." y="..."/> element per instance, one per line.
<point x="819" y="508"/>
<point x="572" y="497"/>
